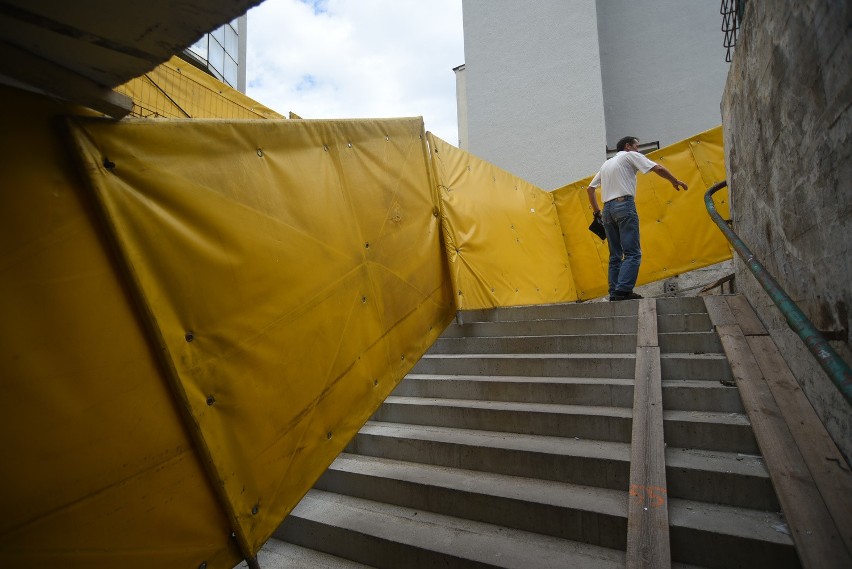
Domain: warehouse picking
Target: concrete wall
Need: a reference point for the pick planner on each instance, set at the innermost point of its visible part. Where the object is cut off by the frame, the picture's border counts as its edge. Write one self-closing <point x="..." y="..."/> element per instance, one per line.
<point x="787" y="124"/>
<point x="663" y="68"/>
<point x="534" y="98"/>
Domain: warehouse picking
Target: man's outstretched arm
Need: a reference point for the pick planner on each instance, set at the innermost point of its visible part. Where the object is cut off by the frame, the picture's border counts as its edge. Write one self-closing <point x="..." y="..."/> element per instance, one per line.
<point x="664" y="173"/>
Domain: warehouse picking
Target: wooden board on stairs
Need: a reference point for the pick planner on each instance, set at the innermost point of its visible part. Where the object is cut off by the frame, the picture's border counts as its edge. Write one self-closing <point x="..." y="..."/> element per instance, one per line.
<point x="648" y="519"/>
<point x="779" y="423"/>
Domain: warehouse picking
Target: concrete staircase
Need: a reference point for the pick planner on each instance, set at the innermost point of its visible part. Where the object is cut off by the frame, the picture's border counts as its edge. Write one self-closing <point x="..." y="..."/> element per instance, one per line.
<point x="508" y="445"/>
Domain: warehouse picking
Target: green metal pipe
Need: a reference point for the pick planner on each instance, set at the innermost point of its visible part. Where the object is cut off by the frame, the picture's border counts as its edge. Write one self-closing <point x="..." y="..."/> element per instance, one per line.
<point x="837" y="369"/>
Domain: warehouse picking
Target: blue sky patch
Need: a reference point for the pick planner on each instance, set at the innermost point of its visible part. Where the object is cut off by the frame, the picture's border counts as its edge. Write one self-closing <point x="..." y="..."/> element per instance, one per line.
<point x="319" y="6"/>
<point x="307" y="83"/>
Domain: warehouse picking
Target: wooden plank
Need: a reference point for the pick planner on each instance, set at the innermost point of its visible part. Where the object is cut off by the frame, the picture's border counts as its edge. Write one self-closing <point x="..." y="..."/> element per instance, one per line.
<point x="745" y="316"/>
<point x="817" y="540"/>
<point x="827" y="466"/>
<point x="646" y="333"/>
<point x="720" y="312"/>
<point x="648" y="543"/>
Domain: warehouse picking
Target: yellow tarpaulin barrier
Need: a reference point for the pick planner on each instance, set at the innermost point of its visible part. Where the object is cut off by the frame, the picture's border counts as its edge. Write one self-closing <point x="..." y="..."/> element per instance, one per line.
<point x="98" y="468"/>
<point x="177" y="89"/>
<point x="501" y="233"/>
<point x="677" y="235"/>
<point x="287" y="274"/>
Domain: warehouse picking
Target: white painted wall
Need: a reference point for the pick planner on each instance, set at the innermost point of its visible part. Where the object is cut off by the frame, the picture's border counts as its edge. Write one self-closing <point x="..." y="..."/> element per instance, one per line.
<point x="461" y="106"/>
<point x="663" y="68"/>
<point x="549" y="84"/>
<point x="534" y="93"/>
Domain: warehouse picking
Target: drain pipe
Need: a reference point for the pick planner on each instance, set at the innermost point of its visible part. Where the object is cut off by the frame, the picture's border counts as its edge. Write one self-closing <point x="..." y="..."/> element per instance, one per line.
<point x="837" y="369"/>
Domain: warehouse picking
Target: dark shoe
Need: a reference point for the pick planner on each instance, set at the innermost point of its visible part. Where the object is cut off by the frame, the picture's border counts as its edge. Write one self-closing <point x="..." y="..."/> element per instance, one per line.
<point x="624" y="296"/>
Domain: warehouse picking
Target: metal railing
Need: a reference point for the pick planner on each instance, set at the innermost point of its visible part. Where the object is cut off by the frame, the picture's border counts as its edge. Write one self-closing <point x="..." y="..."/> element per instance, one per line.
<point x="837" y="369"/>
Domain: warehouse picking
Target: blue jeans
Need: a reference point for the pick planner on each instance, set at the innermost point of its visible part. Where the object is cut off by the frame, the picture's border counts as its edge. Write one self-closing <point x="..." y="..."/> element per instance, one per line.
<point x="621" y="223"/>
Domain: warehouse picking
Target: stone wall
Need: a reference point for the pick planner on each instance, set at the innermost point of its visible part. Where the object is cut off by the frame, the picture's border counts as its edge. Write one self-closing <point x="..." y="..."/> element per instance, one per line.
<point x="787" y="123"/>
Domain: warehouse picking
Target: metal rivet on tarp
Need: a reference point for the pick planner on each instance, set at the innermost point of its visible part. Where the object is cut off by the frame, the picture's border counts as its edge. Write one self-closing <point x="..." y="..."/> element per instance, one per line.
<point x="189" y="337"/>
<point x="109" y="164"/>
<point x="366" y="245"/>
<point x="202" y="565"/>
<point x="211" y="400"/>
<point x="328" y="435"/>
<point x="363" y="300"/>
<point x="325" y="147"/>
<point x="255" y="510"/>
<point x="260" y="152"/>
<point x="350" y="145"/>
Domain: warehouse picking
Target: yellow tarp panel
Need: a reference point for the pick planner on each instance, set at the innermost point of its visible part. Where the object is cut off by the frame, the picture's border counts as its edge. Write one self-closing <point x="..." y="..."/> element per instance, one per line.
<point x="177" y="89"/>
<point x="98" y="470"/>
<point x="293" y="274"/>
<point x="502" y="234"/>
<point x="677" y="235"/>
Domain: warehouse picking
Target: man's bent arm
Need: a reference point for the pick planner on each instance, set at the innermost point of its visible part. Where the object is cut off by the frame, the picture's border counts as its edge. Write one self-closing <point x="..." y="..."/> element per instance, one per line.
<point x="664" y="173"/>
<point x="593" y="199"/>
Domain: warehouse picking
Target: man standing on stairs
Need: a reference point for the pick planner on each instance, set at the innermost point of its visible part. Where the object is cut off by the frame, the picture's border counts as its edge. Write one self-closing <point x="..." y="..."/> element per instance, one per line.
<point x="617" y="178"/>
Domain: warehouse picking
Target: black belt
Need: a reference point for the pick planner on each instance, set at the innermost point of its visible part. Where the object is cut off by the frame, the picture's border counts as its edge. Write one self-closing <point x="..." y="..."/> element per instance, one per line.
<point x="619" y="199"/>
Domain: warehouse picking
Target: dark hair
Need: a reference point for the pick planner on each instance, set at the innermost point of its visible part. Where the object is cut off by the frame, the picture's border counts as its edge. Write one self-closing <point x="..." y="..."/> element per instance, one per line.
<point x="625" y="141"/>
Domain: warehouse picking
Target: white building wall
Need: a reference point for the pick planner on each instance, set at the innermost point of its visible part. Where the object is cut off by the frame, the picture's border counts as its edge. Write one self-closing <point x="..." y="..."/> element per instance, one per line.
<point x="548" y="85"/>
<point x="534" y="93"/>
<point x="461" y="105"/>
<point x="663" y="68"/>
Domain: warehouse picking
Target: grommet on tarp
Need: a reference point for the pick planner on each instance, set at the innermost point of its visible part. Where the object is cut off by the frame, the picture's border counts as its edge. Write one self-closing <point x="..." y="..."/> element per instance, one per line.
<point x="210" y="400"/>
<point x="260" y="152"/>
<point x="255" y="510"/>
<point x="350" y="145"/>
<point x="367" y="245"/>
<point x="202" y="565"/>
<point x="109" y="164"/>
<point x="188" y="337"/>
<point x="363" y="300"/>
<point x="325" y="147"/>
<point x="435" y="212"/>
<point x="328" y="435"/>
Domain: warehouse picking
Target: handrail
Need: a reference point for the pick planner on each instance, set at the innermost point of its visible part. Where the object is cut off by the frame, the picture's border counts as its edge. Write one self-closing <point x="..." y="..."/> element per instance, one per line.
<point x="837" y="369"/>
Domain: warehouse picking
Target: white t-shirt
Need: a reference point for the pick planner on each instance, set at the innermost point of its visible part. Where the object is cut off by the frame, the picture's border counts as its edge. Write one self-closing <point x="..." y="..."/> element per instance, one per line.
<point x="617" y="176"/>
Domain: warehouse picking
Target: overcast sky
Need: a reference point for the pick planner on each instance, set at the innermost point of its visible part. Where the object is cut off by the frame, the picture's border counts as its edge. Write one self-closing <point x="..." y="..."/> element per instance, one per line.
<point x="357" y="59"/>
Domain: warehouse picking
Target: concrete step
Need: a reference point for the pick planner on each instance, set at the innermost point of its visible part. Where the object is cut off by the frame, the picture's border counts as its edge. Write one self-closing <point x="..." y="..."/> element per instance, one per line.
<point x="712" y="367"/>
<point x="701" y="395"/>
<point x="562" y="344"/>
<point x="672" y="366"/>
<point x="597" y="516"/>
<point x="691" y="322"/>
<point x="549" y="419"/>
<point x="565" y="311"/>
<point x="278" y="554"/>
<point x="702" y="475"/>
<point x="542" y="365"/>
<point x="384" y="535"/>
<point x="690" y="342"/>
<point x="729" y="432"/>
<point x="680" y="305"/>
<point x="544" y="327"/>
<point x="564" y="390"/>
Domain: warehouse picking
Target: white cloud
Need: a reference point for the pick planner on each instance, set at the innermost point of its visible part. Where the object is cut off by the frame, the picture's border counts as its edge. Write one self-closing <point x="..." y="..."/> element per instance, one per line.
<point x="358" y="59"/>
